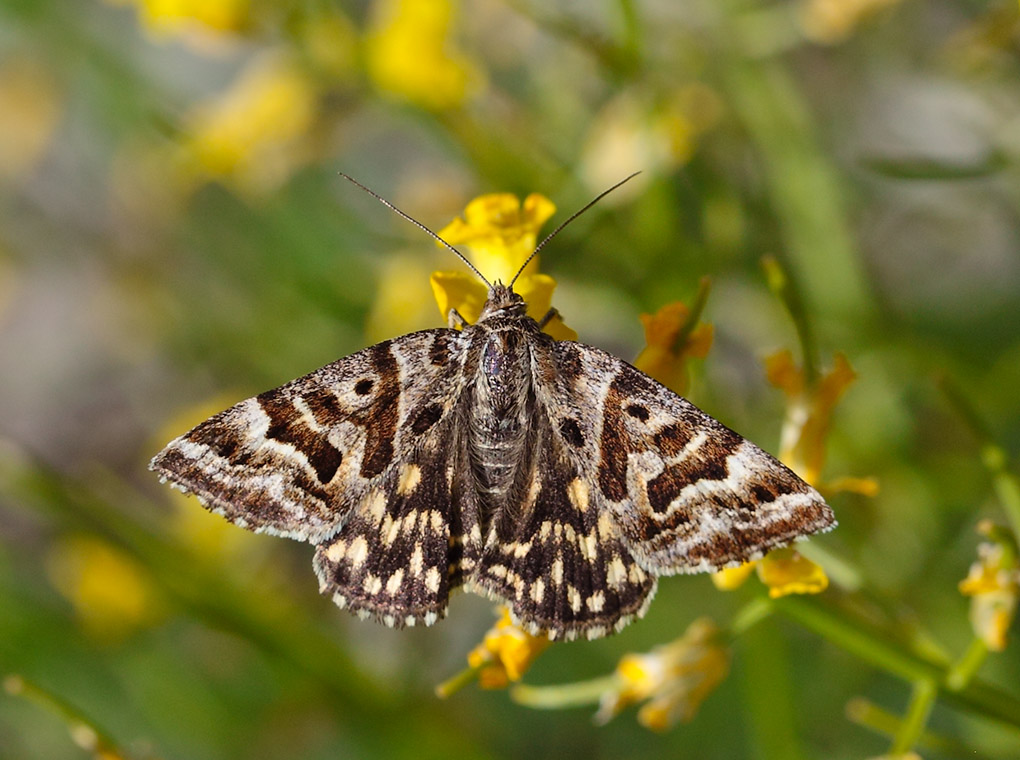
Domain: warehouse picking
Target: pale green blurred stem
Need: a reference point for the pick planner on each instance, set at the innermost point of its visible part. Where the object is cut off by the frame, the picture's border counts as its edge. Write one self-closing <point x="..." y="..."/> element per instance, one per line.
<point x="873" y="647"/>
<point x="865" y="713"/>
<point x="802" y="182"/>
<point x="779" y="283"/>
<point x="84" y="731"/>
<point x="921" y="701"/>
<point x="963" y="672"/>
<point x="565" y="695"/>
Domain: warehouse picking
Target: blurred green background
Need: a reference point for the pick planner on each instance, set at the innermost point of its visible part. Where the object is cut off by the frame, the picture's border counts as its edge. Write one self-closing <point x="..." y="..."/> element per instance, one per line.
<point x="174" y="237"/>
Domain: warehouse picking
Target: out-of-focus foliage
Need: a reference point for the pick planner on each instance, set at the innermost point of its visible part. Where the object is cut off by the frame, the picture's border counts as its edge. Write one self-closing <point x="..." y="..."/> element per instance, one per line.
<point x="174" y="236"/>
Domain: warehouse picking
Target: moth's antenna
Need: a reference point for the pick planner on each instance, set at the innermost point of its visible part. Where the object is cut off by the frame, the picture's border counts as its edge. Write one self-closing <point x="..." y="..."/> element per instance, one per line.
<point x="422" y="227"/>
<point x="571" y="218"/>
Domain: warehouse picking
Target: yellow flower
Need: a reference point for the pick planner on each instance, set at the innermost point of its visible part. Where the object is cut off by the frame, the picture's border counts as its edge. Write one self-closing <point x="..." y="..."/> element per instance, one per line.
<point x="832" y="21"/>
<point x="409" y="54"/>
<point x="993" y="584"/>
<point x="655" y="135"/>
<point x="254" y="135"/>
<point x="809" y="410"/>
<point x="183" y="18"/>
<point x="505" y="654"/>
<point x="498" y="234"/>
<point x="30" y="108"/>
<point x="111" y="593"/>
<point x="787" y="571"/>
<point x="670" y="340"/>
<point x="673" y="680"/>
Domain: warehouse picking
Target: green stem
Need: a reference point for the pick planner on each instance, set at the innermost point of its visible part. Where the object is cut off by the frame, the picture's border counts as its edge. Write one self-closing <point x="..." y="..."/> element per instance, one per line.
<point x="84" y="731"/>
<point x="780" y="284"/>
<point x="872" y="647"/>
<point x="963" y="672"/>
<point x="563" y="695"/>
<point x="694" y="316"/>
<point x="921" y="702"/>
<point x="455" y="683"/>
<point x="864" y="713"/>
<point x="750" y="615"/>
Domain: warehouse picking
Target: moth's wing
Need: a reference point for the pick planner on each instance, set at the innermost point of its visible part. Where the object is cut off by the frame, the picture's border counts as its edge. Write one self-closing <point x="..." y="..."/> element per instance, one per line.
<point x="686" y="493"/>
<point x="557" y="561"/>
<point x="338" y="458"/>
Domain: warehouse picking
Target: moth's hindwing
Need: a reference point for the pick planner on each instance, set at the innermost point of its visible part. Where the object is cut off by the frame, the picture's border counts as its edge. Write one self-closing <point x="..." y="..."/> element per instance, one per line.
<point x="351" y="457"/>
<point x="686" y="493"/>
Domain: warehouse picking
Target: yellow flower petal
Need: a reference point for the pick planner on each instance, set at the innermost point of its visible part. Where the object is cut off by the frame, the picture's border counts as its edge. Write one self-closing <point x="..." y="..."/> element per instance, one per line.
<point x="498" y="234"/>
<point x="253" y="135"/>
<point x="409" y="54"/>
<point x="663" y="357"/>
<point x="505" y="654"/>
<point x="111" y="593"/>
<point x="787" y="571"/>
<point x="730" y="578"/>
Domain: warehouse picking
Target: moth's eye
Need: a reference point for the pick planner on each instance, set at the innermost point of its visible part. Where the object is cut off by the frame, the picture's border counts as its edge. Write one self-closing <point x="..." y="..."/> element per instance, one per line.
<point x="571" y="432"/>
<point x="637" y="412"/>
<point x="363" y="387"/>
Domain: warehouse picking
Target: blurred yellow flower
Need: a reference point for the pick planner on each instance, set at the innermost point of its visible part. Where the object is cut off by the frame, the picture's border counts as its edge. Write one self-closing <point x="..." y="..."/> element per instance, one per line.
<point x="787" y="571"/>
<point x="111" y="593"/>
<point x="809" y="408"/>
<point x="409" y="54"/>
<point x="670" y="340"/>
<point x="731" y="578"/>
<point x="498" y="234"/>
<point x="30" y="109"/>
<point x="254" y="136"/>
<point x="632" y="132"/>
<point x="505" y="654"/>
<point x="673" y="679"/>
<point x="993" y="584"/>
<point x="174" y="18"/>
<point x="832" y="21"/>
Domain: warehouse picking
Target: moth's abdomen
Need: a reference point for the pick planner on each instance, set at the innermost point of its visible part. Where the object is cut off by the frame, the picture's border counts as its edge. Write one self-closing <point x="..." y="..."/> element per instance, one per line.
<point x="501" y="404"/>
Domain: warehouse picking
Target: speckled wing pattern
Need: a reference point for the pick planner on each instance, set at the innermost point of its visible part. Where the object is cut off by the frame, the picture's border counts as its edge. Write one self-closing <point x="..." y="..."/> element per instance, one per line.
<point x="354" y="458"/>
<point x="632" y="482"/>
<point x="393" y="462"/>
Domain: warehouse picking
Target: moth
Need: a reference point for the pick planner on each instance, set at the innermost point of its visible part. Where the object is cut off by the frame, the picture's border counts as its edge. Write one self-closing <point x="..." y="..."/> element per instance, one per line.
<point x="547" y="475"/>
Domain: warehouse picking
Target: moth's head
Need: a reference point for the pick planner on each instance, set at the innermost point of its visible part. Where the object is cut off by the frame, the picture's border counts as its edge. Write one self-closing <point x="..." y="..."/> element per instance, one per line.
<point x="503" y="301"/>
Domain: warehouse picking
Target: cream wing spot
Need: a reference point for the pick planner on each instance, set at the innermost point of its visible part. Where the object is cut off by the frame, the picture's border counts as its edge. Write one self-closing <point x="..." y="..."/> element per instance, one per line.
<point x="372" y="584"/>
<point x="358" y="552"/>
<point x="616" y="572"/>
<point x="432" y="580"/>
<point x="394" y="582"/>
<point x="336" y="551"/>
<point x="417" y="561"/>
<point x="577" y="492"/>
<point x="410" y="477"/>
<point x="538" y="591"/>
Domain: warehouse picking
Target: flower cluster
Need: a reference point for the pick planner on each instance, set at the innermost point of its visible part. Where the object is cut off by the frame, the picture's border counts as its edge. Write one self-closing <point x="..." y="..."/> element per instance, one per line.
<point x="993" y="584"/>
<point x="672" y="680"/>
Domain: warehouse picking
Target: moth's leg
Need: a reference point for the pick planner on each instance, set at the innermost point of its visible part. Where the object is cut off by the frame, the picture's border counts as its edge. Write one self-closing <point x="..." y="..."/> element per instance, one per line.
<point x="455" y="320"/>
<point x="549" y="317"/>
